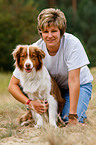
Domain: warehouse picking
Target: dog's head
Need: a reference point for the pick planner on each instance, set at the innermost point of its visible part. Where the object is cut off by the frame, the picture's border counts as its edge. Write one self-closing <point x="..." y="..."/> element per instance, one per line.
<point x="28" y="57"/>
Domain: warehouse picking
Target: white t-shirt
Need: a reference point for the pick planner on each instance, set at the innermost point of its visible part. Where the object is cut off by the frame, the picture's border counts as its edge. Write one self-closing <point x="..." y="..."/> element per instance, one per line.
<point x="71" y="55"/>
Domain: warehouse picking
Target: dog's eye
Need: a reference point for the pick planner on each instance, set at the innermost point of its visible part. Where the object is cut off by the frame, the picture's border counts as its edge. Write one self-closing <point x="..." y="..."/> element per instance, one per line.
<point x="22" y="56"/>
<point x="32" y="55"/>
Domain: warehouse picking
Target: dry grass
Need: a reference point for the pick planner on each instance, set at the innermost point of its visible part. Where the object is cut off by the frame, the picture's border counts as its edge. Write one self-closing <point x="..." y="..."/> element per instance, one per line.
<point x="12" y="133"/>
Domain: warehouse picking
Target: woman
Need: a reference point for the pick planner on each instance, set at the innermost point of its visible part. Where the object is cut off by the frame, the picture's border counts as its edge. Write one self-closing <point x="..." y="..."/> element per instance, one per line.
<point x="66" y="61"/>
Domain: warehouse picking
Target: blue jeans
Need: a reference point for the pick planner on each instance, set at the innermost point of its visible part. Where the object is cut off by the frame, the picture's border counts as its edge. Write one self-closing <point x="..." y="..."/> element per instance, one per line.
<point x="84" y="98"/>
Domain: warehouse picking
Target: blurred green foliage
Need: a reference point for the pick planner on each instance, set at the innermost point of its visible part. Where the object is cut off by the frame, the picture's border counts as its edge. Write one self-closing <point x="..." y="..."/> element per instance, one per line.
<point x="18" y="25"/>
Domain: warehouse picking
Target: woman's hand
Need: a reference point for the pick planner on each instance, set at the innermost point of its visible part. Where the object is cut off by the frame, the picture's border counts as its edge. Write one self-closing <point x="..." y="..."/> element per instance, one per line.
<point x="74" y="122"/>
<point x="72" y="119"/>
<point x="39" y="106"/>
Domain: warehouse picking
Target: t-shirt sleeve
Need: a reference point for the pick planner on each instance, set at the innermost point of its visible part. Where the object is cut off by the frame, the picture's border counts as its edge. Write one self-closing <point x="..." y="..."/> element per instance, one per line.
<point x="16" y="73"/>
<point x="76" y="56"/>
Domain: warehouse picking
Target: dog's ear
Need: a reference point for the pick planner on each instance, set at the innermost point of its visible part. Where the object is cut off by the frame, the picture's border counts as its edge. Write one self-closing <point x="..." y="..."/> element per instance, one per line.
<point x="41" y="53"/>
<point x="16" y="52"/>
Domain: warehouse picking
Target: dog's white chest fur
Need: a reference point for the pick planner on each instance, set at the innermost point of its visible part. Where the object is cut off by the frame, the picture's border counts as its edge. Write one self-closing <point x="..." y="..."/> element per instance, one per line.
<point x="38" y="86"/>
<point x="36" y="82"/>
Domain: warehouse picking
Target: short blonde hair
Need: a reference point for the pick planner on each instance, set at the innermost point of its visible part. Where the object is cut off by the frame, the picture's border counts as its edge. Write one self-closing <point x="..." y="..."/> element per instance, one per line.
<point x="51" y="16"/>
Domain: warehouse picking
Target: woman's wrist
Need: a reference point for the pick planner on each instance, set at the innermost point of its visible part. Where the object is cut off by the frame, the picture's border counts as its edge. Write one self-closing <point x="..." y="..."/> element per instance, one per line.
<point x="73" y="110"/>
<point x="72" y="116"/>
<point x="72" y="119"/>
<point x="27" y="103"/>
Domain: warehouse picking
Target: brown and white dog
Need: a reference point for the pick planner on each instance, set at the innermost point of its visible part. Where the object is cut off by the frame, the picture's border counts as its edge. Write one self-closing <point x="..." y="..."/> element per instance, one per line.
<point x="36" y="81"/>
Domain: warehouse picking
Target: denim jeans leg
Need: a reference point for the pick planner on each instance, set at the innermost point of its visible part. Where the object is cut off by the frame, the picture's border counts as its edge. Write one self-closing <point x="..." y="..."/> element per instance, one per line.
<point x="84" y="98"/>
<point x="65" y="111"/>
<point x="83" y="102"/>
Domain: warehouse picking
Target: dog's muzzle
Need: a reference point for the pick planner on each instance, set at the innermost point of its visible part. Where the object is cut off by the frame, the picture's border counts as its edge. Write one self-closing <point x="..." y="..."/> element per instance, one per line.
<point x="28" y="66"/>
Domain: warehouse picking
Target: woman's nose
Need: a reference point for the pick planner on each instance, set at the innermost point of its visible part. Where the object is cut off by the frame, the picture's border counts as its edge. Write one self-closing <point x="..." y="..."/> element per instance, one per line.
<point x="50" y="34"/>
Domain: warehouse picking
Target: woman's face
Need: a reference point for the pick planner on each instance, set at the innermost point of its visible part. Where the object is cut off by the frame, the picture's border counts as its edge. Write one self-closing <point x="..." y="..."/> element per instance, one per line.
<point x="51" y="36"/>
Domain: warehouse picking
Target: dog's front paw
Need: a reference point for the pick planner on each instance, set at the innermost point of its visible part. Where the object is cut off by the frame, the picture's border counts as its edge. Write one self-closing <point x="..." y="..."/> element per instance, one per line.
<point x="38" y="126"/>
<point x="54" y="125"/>
<point x="25" y="123"/>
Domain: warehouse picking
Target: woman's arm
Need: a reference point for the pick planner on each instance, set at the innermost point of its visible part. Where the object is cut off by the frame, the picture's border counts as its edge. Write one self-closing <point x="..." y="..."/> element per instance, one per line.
<point x="40" y="106"/>
<point x="15" y="90"/>
<point x="74" y="89"/>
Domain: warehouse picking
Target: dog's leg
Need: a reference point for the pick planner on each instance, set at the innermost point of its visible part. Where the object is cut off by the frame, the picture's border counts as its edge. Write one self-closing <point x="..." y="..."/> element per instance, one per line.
<point x="38" y="119"/>
<point x="26" y="118"/>
<point x="52" y="110"/>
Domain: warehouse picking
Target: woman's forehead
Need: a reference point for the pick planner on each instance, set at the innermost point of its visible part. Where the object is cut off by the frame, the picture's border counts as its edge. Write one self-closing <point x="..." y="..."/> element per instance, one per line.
<point x="51" y="26"/>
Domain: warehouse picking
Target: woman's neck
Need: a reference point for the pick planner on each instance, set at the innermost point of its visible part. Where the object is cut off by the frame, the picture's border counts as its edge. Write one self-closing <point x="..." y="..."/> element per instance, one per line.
<point x="52" y="53"/>
<point x="53" y="50"/>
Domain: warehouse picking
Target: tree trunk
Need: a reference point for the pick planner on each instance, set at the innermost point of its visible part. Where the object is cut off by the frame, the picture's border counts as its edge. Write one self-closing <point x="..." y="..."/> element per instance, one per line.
<point x="74" y="6"/>
<point x="51" y="3"/>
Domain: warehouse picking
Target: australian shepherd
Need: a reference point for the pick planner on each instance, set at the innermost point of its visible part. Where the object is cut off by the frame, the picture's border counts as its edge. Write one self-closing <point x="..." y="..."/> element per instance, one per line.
<point x="37" y="82"/>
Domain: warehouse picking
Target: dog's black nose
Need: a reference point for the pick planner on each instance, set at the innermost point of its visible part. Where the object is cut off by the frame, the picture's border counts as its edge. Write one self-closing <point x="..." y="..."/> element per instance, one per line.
<point x="27" y="65"/>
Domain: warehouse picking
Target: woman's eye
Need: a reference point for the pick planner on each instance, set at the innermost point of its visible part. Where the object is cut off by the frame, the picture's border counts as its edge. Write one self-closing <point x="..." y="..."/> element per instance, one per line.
<point x="54" y="31"/>
<point x="45" y="32"/>
<point x="51" y="31"/>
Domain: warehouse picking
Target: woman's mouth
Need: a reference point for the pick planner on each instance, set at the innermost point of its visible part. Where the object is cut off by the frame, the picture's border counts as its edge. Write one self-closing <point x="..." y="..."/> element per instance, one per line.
<point x="50" y="40"/>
